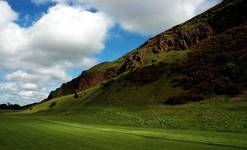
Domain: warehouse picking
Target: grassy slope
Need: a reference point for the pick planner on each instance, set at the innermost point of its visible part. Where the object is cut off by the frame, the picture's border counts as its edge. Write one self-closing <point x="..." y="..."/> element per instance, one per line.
<point x="170" y="57"/>
<point x="217" y="114"/>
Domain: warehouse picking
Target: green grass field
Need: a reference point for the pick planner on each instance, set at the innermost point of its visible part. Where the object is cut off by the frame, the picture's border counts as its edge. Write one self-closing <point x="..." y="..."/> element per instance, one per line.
<point x="94" y="122"/>
<point x="41" y="133"/>
<point x="219" y="123"/>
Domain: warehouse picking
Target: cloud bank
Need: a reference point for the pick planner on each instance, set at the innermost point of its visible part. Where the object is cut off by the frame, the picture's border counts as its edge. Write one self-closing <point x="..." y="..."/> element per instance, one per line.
<point x="146" y="17"/>
<point x="40" y="55"/>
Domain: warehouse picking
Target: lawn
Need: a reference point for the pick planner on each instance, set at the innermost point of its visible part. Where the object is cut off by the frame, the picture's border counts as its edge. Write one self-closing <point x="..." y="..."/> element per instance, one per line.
<point x="27" y="132"/>
<point x="219" y="123"/>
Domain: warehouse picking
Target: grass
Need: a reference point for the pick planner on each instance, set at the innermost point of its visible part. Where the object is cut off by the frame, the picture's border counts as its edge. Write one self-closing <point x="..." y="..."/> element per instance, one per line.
<point x="118" y="93"/>
<point x="219" y="123"/>
<point x="220" y="114"/>
<point x="22" y="132"/>
<point x="107" y="65"/>
<point x="168" y="57"/>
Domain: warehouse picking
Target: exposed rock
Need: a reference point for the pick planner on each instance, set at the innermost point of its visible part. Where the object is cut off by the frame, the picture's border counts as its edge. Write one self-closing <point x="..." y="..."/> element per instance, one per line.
<point x="85" y="81"/>
<point x="178" y="39"/>
<point x="132" y="61"/>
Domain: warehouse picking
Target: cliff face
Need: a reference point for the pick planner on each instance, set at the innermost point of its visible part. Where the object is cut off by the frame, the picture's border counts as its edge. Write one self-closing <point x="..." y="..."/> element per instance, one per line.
<point x="83" y="82"/>
<point x="188" y="35"/>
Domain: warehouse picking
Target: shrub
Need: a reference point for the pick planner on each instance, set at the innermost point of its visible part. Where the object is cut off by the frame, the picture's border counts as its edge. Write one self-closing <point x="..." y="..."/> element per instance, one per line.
<point x="53" y="104"/>
<point x="183" y="99"/>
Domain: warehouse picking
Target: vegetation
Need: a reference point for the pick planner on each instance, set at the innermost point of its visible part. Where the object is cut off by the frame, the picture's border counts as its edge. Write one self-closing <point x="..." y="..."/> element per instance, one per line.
<point x="106" y="65"/>
<point x="46" y="134"/>
<point x="216" y="69"/>
<point x="222" y="114"/>
<point x="218" y="123"/>
<point x="10" y="106"/>
<point x="170" y="57"/>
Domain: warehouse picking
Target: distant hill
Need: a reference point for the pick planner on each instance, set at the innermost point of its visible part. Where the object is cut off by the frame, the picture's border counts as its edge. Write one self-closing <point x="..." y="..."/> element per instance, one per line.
<point x="200" y="58"/>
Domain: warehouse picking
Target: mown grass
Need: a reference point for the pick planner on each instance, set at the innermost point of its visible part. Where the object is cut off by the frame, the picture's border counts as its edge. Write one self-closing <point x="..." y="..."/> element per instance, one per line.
<point x="45" y="134"/>
<point x="217" y="123"/>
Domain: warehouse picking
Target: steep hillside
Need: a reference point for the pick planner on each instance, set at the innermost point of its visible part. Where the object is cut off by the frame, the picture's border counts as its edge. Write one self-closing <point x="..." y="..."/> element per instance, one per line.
<point x="203" y="56"/>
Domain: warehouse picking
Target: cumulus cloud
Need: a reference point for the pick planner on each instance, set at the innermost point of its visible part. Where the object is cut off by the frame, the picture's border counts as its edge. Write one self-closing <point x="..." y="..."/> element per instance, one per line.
<point x="40" y="55"/>
<point x="151" y="16"/>
<point x="145" y="16"/>
<point x="40" y="2"/>
<point x="66" y="35"/>
<point x="16" y="92"/>
<point x="30" y="86"/>
<point x="19" y="85"/>
<point x="7" y="14"/>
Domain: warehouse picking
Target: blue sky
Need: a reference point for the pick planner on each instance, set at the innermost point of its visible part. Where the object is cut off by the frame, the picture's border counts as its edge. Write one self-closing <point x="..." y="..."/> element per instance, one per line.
<point x="44" y="43"/>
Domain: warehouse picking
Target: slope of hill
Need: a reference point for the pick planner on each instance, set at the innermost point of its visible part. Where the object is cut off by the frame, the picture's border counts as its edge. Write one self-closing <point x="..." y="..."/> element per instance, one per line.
<point x="205" y="55"/>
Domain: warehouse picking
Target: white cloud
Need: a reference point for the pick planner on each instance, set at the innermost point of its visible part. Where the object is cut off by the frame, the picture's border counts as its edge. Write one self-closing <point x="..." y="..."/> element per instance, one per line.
<point x="145" y="16"/>
<point x="19" y="84"/>
<point x="7" y="14"/>
<point x="26" y="93"/>
<point x="151" y="16"/>
<point x="40" y="2"/>
<point x="30" y="86"/>
<point x="66" y="36"/>
<point x="40" y="55"/>
<point x="7" y="87"/>
<point x="14" y="92"/>
<point x="18" y="75"/>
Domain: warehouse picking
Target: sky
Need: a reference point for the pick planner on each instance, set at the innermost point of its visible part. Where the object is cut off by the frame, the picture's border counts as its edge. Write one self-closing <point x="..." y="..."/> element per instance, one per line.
<point x="44" y="43"/>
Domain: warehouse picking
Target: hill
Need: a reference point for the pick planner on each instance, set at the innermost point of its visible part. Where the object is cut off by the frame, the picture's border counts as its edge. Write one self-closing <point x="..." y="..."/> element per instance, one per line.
<point x="192" y="61"/>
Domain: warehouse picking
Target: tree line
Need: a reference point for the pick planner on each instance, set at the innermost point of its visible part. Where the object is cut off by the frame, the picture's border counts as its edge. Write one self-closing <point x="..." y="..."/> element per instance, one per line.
<point x="10" y="106"/>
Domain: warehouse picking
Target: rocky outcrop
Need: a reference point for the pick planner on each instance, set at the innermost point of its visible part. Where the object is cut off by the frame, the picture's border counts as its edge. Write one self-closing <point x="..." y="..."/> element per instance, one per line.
<point x="177" y="39"/>
<point x="132" y="61"/>
<point x="85" y="81"/>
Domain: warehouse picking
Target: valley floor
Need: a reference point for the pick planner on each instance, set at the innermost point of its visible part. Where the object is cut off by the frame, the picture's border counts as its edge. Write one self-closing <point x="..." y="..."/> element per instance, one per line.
<point x="218" y="124"/>
<point x="22" y="133"/>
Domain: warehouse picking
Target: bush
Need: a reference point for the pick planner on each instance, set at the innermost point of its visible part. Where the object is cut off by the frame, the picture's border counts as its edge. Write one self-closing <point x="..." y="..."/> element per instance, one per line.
<point x="183" y="99"/>
<point x="53" y="104"/>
